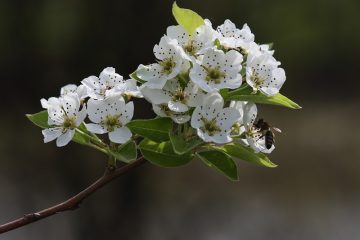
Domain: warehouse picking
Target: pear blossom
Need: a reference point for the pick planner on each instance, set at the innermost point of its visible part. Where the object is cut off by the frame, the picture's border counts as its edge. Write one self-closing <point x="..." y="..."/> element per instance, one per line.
<point x="81" y="91"/>
<point x="178" y="98"/>
<point x="171" y="60"/>
<point x="212" y="121"/>
<point x="232" y="37"/>
<point x="196" y="44"/>
<point x="254" y="136"/>
<point x="263" y="74"/>
<point x="218" y="70"/>
<point x="64" y="116"/>
<point x="162" y="110"/>
<point x="110" y="115"/>
<point x="105" y="85"/>
<point x="129" y="89"/>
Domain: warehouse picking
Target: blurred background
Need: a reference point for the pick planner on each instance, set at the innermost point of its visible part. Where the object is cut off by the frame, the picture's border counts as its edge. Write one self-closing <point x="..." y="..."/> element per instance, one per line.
<point x="313" y="194"/>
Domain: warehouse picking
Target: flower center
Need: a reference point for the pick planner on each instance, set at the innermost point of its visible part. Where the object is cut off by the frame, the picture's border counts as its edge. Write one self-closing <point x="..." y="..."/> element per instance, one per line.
<point x="179" y="95"/>
<point x="258" y="80"/>
<point x="190" y="48"/>
<point x="167" y="65"/>
<point x="214" y="75"/>
<point x="69" y="122"/>
<point x="210" y="126"/>
<point x="112" y="122"/>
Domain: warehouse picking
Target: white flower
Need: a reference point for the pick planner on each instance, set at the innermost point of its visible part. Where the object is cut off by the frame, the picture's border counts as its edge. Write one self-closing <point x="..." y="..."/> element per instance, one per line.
<point x="110" y="116"/>
<point x="171" y="59"/>
<point x="255" y="137"/>
<point x="105" y="85"/>
<point x="162" y="110"/>
<point x="263" y="73"/>
<point x="64" y="116"/>
<point x="129" y="89"/>
<point x="218" y="70"/>
<point x="212" y="121"/>
<point x="177" y="97"/>
<point x="233" y="37"/>
<point x="202" y="39"/>
<point x="81" y="91"/>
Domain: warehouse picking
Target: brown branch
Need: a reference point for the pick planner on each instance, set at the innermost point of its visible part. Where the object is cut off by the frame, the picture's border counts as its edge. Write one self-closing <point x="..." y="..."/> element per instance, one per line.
<point x="73" y="202"/>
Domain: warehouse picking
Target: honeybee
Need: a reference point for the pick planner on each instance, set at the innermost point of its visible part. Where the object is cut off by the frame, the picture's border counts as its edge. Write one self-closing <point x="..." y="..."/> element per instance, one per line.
<point x="267" y="132"/>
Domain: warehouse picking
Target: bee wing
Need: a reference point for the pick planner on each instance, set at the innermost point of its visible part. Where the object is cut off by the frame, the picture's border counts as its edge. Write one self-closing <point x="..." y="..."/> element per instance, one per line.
<point x="277" y="129"/>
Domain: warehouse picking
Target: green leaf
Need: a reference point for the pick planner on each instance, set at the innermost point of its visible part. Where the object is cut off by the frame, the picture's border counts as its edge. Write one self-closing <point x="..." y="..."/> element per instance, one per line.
<point x="247" y="154"/>
<point x="40" y="119"/>
<point x="181" y="145"/>
<point x="126" y="152"/>
<point x="245" y="94"/>
<point x="154" y="129"/>
<point x="187" y="18"/>
<point x="135" y="77"/>
<point x="162" y="154"/>
<point x="220" y="161"/>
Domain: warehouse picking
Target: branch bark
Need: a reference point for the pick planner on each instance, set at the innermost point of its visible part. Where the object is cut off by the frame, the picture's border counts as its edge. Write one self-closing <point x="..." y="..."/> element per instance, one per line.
<point x="73" y="202"/>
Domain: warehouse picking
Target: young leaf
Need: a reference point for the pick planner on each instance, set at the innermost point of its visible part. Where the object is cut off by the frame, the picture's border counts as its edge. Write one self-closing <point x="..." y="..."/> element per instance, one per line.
<point x="162" y="154"/>
<point x="154" y="129"/>
<point x="181" y="146"/>
<point x="126" y="152"/>
<point x="245" y="94"/>
<point x="220" y="161"/>
<point x="247" y="154"/>
<point x="40" y="119"/>
<point x="187" y="18"/>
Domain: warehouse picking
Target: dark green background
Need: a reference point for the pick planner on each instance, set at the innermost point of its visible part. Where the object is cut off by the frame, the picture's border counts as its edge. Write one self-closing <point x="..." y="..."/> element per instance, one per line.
<point x="313" y="194"/>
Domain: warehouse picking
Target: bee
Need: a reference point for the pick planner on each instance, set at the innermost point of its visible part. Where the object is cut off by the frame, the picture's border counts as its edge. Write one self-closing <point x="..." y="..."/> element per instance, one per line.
<point x="267" y="132"/>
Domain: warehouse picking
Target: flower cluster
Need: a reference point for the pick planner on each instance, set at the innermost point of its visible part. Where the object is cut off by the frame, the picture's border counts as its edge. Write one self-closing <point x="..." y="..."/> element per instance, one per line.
<point x="104" y="99"/>
<point x="193" y="73"/>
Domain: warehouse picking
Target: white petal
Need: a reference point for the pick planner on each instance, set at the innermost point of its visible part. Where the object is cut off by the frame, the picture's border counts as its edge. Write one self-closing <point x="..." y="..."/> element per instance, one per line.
<point x="70" y="103"/>
<point x="51" y="134"/>
<point x="92" y="83"/>
<point x="221" y="138"/>
<point x="120" y="135"/>
<point x="96" y="128"/>
<point x="177" y="106"/>
<point x="204" y="136"/>
<point x="65" y="138"/>
<point x="155" y="96"/>
<point x="178" y="33"/>
<point x="227" y="117"/>
<point x="95" y="110"/>
<point x="250" y="112"/>
<point x="273" y="84"/>
<point x="81" y="115"/>
<point x="127" y="113"/>
<point x="70" y="88"/>
<point x="109" y="77"/>
<point x="196" y="117"/>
